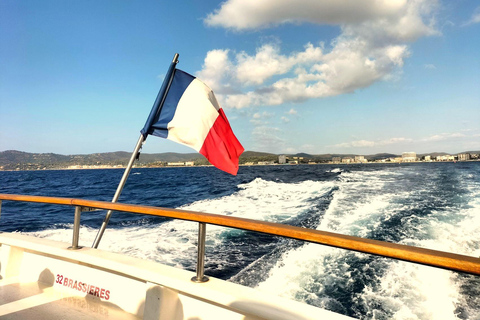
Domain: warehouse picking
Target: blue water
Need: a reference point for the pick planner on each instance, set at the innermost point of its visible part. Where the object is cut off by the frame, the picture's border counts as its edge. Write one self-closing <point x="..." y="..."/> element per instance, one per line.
<point x="432" y="205"/>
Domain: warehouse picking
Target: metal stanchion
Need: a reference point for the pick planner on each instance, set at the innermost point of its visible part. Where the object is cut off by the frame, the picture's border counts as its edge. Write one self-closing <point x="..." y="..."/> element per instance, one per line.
<point x="200" y="277"/>
<point x="76" y="229"/>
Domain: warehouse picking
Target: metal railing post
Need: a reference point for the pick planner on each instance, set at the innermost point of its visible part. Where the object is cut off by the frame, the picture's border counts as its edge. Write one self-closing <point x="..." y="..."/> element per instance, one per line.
<point x="200" y="277"/>
<point x="76" y="229"/>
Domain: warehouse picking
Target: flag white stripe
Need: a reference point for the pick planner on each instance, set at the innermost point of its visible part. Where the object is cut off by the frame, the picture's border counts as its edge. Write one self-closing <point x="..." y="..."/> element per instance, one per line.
<point x="194" y="117"/>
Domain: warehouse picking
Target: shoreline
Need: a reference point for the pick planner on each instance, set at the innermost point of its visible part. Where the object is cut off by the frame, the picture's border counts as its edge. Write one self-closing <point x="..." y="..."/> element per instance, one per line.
<point x="240" y="165"/>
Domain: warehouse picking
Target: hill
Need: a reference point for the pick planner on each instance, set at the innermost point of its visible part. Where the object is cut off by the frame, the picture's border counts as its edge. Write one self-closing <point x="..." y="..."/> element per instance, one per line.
<point x="18" y="160"/>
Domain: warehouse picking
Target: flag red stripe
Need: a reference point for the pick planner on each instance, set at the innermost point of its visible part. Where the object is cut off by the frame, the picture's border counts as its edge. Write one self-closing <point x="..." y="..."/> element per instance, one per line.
<point x="221" y="147"/>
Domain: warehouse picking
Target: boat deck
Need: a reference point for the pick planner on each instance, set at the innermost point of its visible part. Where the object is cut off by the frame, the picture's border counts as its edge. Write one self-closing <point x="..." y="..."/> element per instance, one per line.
<point x="36" y="300"/>
<point x="42" y="279"/>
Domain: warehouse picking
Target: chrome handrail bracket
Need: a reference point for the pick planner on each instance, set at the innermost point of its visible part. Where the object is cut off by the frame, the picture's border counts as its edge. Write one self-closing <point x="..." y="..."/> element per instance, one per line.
<point x="76" y="228"/>
<point x="200" y="277"/>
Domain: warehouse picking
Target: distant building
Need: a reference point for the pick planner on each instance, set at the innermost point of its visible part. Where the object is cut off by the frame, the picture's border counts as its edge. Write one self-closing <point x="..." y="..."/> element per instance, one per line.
<point x="336" y="159"/>
<point x="446" y="158"/>
<point x="265" y="163"/>
<point x="360" y="159"/>
<point x="189" y="163"/>
<point x="463" y="156"/>
<point x="409" y="156"/>
<point x="176" y="164"/>
<point x="282" y="159"/>
<point x="428" y="158"/>
<point x="347" y="160"/>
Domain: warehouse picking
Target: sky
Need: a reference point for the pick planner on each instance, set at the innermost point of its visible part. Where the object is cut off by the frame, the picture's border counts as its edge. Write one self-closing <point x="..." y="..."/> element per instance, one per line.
<point x="314" y="76"/>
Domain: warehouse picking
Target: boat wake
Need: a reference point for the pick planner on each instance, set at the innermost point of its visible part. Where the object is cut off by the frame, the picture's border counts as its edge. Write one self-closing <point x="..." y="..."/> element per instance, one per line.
<point x="435" y="209"/>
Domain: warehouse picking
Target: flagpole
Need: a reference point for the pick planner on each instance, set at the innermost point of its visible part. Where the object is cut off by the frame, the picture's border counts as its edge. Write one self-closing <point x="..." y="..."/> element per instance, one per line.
<point x="126" y="173"/>
<point x="141" y="140"/>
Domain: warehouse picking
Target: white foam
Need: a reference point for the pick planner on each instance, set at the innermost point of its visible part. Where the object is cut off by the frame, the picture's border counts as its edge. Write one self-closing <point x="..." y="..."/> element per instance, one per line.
<point x="174" y="242"/>
<point x="265" y="200"/>
<point x="411" y="291"/>
<point x="362" y="200"/>
<point x="358" y="203"/>
<point x="296" y="268"/>
<point x="406" y="291"/>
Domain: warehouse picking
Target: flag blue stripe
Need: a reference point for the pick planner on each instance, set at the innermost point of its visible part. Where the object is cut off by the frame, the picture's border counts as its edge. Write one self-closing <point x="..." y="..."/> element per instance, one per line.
<point x="157" y="105"/>
<point x="181" y="81"/>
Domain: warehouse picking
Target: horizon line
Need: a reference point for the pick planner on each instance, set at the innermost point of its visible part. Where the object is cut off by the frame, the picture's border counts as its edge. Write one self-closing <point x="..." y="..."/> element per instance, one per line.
<point x="278" y="154"/>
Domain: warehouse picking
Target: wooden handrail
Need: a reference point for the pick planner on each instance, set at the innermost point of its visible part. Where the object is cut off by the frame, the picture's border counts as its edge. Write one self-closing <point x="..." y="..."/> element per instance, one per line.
<point x="435" y="258"/>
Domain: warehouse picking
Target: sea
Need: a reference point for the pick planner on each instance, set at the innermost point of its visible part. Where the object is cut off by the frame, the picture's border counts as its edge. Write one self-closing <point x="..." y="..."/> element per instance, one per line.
<point x="429" y="205"/>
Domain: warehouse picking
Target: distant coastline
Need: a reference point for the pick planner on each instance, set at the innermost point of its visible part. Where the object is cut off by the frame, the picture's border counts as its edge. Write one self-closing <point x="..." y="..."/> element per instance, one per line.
<point x="13" y="160"/>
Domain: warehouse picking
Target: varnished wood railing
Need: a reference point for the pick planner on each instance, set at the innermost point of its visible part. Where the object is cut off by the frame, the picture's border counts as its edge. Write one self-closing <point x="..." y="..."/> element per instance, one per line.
<point x="439" y="259"/>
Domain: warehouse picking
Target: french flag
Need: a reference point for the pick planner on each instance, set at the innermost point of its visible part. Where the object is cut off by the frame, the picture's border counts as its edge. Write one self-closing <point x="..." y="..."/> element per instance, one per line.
<point x="189" y="114"/>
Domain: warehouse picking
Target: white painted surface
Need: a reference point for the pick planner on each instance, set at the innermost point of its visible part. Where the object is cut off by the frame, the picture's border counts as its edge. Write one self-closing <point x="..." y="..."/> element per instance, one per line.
<point x="139" y="287"/>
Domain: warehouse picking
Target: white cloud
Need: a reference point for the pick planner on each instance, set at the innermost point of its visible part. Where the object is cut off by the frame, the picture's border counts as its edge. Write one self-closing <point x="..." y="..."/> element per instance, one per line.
<point x="216" y="65"/>
<point x="396" y="140"/>
<point x="285" y="119"/>
<point x="373" y="19"/>
<point x="372" y="45"/>
<point x="401" y="141"/>
<point x="268" y="62"/>
<point x="359" y="143"/>
<point x="370" y="144"/>
<point x="475" y="17"/>
<point x="267" y="139"/>
<point x="259" y="118"/>
<point x="254" y="14"/>
<point x="292" y="111"/>
<point x="349" y="66"/>
<point x="263" y="115"/>
<point x="430" y="66"/>
<point x="443" y="136"/>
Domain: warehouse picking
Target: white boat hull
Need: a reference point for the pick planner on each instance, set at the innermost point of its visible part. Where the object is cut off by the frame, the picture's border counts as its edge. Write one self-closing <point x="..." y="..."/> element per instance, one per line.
<point x="43" y="279"/>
